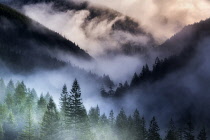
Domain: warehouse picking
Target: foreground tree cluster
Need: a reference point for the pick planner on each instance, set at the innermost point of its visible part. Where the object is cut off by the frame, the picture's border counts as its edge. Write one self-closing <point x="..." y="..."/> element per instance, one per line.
<point x="25" y="116"/>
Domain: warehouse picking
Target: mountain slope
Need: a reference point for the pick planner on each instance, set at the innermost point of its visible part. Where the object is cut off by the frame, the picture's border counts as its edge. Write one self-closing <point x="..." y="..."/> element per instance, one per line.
<point x="122" y="26"/>
<point x="25" y="44"/>
<point x="180" y="82"/>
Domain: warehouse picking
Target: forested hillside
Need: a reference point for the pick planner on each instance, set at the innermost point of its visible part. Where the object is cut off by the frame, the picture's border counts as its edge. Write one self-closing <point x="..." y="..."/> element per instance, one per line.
<point x="27" y="116"/>
<point x="27" y="45"/>
<point x="121" y="24"/>
<point x="181" y="51"/>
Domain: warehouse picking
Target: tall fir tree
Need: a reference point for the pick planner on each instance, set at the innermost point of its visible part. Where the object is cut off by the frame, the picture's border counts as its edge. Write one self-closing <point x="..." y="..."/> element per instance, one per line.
<point x="121" y="125"/>
<point x="41" y="106"/>
<point x="153" y="132"/>
<point x="50" y="122"/>
<point x="78" y="115"/>
<point x="10" y="87"/>
<point x="94" y="115"/>
<point x="20" y="97"/>
<point x="171" y="133"/>
<point x="188" y="131"/>
<point x="137" y="125"/>
<point x="64" y="103"/>
<point x="10" y="127"/>
<point x="111" y="118"/>
<point x="28" y="132"/>
<point x="2" y="90"/>
<point x="144" y="129"/>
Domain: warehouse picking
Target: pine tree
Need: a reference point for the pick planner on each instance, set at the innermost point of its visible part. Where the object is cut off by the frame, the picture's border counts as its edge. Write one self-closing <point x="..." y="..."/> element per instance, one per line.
<point x="10" y="127"/>
<point x="188" y="131"/>
<point x="20" y="97"/>
<point x="171" y="133"/>
<point x="103" y="92"/>
<point x="135" y="80"/>
<point x="34" y="94"/>
<point x="103" y="121"/>
<point x="41" y="104"/>
<point x="29" y="131"/>
<point x="131" y="130"/>
<point x="9" y="100"/>
<point x="121" y="125"/>
<point x="202" y="135"/>
<point x="47" y="97"/>
<point x="64" y="99"/>
<point x="77" y="114"/>
<point x="2" y="90"/>
<point x="50" y="122"/>
<point x="31" y="99"/>
<point x="64" y="106"/>
<point x="94" y="115"/>
<point x="10" y="88"/>
<point x="111" y="91"/>
<point x="137" y="125"/>
<point x="153" y="132"/>
<point x="3" y="112"/>
<point x="144" y="129"/>
<point x="111" y="118"/>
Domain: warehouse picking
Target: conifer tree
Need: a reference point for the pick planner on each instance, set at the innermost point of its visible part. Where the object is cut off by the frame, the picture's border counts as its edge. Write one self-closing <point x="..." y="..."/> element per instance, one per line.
<point x="103" y="121"/>
<point x="9" y="101"/>
<point x="111" y="118"/>
<point x="135" y="80"/>
<point x="64" y="99"/>
<point x="77" y="114"/>
<point x="50" y="122"/>
<point x="103" y="92"/>
<point x="144" y="129"/>
<point x="9" y="126"/>
<point x="10" y="89"/>
<point x="28" y="132"/>
<point x="47" y="97"/>
<point x="94" y="115"/>
<point x="137" y="125"/>
<point x="202" y="135"/>
<point x="2" y="90"/>
<point x="171" y="133"/>
<point x="153" y="132"/>
<point x="20" y="98"/>
<point x="64" y="103"/>
<point x="121" y="125"/>
<point x="131" y="131"/>
<point x="42" y="104"/>
<point x="188" y="131"/>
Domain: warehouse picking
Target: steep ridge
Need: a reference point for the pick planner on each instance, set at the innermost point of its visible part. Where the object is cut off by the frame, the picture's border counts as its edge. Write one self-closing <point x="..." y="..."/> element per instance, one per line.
<point x="26" y="44"/>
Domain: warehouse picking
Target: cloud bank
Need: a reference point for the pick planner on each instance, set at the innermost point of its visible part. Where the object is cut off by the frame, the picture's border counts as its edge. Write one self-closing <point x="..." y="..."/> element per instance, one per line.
<point x="162" y="18"/>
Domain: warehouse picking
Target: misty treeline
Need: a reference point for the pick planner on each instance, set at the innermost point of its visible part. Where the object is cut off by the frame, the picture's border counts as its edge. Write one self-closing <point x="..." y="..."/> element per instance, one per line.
<point x="159" y="70"/>
<point x="25" y="116"/>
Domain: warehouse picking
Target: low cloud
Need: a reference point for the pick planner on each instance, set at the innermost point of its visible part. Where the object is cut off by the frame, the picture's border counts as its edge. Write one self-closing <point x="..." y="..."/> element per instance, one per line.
<point x="162" y="18"/>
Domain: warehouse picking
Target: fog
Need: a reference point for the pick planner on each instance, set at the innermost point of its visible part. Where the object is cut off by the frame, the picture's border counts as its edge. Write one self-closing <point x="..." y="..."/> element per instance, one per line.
<point x="162" y="18"/>
<point x="96" y="37"/>
<point x="179" y="95"/>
